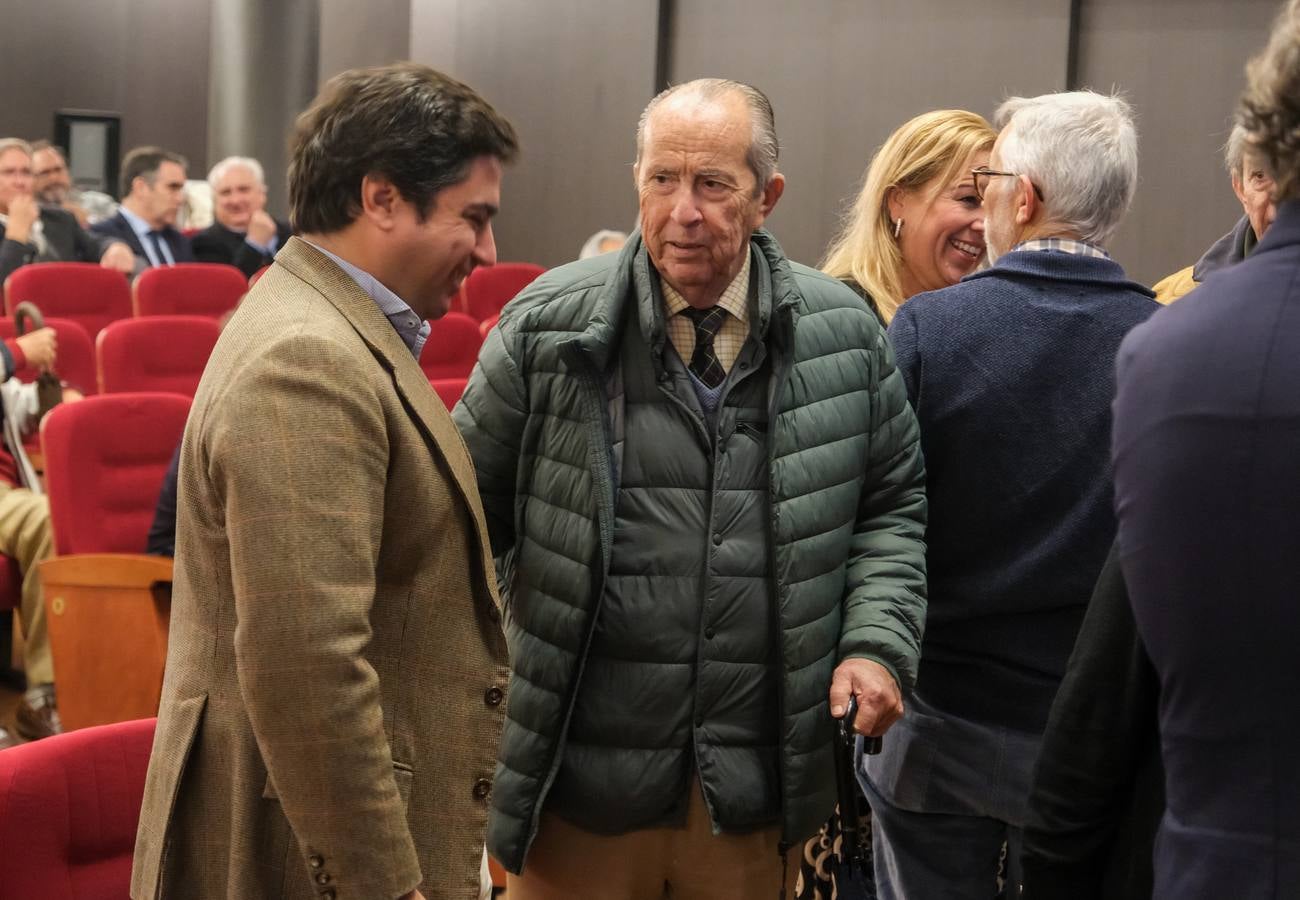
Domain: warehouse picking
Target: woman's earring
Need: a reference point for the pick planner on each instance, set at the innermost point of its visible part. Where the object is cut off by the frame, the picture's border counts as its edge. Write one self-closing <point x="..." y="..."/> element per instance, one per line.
<point x="898" y="228"/>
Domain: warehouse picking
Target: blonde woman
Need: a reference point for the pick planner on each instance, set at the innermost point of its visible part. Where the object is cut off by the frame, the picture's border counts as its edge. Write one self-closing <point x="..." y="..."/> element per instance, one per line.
<point x="917" y="224"/>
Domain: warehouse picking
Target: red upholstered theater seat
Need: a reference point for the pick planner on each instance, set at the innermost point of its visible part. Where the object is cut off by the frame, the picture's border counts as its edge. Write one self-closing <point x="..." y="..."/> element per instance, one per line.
<point x="188" y="289"/>
<point x="69" y="806"/>
<point x="105" y="458"/>
<point x="253" y="279"/>
<point x="449" y="389"/>
<point x="486" y="291"/>
<point x="452" y="347"/>
<point x="76" y="359"/>
<point x="156" y="353"/>
<point x="107" y="604"/>
<point x="84" y="292"/>
<point x="488" y="324"/>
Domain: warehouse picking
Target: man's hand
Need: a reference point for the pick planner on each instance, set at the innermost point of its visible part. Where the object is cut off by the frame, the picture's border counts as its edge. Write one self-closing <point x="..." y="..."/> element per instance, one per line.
<point x="880" y="704"/>
<point x="72" y="395"/>
<point x="118" y="256"/>
<point x="23" y="211"/>
<point x="40" y="347"/>
<point x="261" y="228"/>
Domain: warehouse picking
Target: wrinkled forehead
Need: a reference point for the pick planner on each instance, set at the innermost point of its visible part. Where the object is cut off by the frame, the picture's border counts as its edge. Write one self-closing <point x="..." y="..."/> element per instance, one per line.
<point x="720" y="125"/>
<point x="1252" y="161"/>
<point x="237" y="177"/>
<point x="15" y="158"/>
<point x="48" y="158"/>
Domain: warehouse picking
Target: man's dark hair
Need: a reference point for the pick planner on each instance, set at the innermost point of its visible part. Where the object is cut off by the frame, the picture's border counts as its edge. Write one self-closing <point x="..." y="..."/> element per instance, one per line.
<point x="144" y="162"/>
<point x="411" y="124"/>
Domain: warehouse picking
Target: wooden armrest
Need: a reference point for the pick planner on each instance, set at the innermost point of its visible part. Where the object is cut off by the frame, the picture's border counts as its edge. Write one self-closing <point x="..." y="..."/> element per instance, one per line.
<point x="107" y="615"/>
<point x="106" y="570"/>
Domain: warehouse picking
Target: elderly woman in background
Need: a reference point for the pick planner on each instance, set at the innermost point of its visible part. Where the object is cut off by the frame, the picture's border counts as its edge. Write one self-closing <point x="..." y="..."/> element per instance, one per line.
<point x="917" y="225"/>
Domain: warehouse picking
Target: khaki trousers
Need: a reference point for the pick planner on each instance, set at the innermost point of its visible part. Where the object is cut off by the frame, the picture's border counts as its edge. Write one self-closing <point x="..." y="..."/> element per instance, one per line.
<point x="25" y="535"/>
<point x="683" y="863"/>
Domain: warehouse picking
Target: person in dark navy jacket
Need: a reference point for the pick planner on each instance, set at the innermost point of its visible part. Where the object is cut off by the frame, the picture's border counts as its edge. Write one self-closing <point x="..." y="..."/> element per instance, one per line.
<point x="153" y="187"/>
<point x="1207" y="481"/>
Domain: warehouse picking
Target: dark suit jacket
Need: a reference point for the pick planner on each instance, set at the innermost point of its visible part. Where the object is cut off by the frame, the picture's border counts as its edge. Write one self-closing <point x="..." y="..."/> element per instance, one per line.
<point x="120" y="229"/>
<point x="1098" y="788"/>
<point x="218" y="244"/>
<point x="68" y="242"/>
<point x="1207" y="443"/>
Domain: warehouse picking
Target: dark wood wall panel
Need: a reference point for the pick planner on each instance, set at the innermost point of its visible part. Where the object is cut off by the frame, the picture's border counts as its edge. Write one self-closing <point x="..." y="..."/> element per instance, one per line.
<point x="145" y="59"/>
<point x="843" y="74"/>
<point x="1181" y="64"/>
<point x="573" y="77"/>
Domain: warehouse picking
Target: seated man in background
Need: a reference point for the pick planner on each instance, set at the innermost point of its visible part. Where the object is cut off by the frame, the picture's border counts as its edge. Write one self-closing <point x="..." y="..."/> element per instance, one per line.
<point x="243" y="235"/>
<point x="25" y="528"/>
<point x="1252" y="182"/>
<point x="153" y="185"/>
<point x="32" y="233"/>
<point x="54" y="187"/>
<point x="604" y="241"/>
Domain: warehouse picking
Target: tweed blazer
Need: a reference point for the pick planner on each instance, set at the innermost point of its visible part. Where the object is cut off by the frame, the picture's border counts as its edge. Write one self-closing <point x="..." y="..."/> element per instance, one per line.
<point x="336" y="667"/>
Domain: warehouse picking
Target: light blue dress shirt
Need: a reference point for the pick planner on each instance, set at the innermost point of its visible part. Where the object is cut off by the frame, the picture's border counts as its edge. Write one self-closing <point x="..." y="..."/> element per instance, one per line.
<point x="142" y="233"/>
<point x="410" y="328"/>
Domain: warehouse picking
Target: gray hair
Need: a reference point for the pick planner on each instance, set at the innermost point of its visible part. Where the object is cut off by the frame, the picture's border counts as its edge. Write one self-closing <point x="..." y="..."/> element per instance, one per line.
<point x="219" y="171"/>
<point x="1268" y="110"/>
<point x="13" y="143"/>
<point x="763" y="145"/>
<point x="1080" y="149"/>
<point x="1234" y="151"/>
<point x="596" y="241"/>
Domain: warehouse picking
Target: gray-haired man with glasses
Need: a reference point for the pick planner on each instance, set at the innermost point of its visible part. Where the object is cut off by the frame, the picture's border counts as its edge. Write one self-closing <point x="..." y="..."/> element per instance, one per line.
<point x="1015" y="365"/>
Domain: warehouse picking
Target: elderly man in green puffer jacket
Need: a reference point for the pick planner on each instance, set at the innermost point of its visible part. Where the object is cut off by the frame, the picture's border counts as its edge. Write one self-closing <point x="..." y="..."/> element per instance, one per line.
<point x="704" y="485"/>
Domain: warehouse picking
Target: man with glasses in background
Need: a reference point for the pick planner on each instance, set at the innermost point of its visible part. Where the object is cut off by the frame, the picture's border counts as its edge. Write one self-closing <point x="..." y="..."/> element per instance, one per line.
<point x="1015" y="366"/>
<point x="54" y="187"/>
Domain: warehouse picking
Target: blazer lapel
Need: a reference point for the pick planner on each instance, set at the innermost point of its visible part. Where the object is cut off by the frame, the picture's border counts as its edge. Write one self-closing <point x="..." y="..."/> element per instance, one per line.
<point x="127" y="233"/>
<point x="428" y="412"/>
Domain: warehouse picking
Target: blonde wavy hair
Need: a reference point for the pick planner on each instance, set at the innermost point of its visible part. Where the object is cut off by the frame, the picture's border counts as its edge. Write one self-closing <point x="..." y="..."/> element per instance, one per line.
<point x="924" y="154"/>
<point x="1269" y="110"/>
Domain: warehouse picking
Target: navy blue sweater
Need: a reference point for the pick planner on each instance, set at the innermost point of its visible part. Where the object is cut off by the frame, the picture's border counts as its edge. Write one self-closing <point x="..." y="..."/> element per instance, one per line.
<point x="1011" y="376"/>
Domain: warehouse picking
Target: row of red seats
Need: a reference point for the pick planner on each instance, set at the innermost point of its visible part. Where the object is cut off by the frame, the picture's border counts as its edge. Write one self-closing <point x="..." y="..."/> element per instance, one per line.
<point x="93" y="296"/>
<point x="168" y="353"/>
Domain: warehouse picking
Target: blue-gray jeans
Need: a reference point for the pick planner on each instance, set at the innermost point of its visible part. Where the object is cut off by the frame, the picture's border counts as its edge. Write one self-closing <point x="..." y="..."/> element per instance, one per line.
<point x="945" y="794"/>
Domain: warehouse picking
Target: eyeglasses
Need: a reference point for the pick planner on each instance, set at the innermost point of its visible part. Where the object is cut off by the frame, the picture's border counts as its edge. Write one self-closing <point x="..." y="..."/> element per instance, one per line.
<point x="984" y="173"/>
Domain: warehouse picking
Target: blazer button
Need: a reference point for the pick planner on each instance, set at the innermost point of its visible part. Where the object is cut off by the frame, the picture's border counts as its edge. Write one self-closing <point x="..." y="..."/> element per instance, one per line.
<point x="717" y="538"/>
<point x="494" y="696"/>
<point x="709" y="632"/>
<point x="482" y="788"/>
<point x="315" y="861"/>
<point x="327" y="895"/>
<point x="323" y="878"/>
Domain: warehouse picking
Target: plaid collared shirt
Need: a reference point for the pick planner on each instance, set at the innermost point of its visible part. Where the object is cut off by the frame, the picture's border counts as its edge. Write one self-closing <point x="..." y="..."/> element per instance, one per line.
<point x="1064" y="245"/>
<point x="730" y="337"/>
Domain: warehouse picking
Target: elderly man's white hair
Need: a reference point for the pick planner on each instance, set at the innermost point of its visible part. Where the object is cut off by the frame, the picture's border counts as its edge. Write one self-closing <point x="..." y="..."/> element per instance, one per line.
<point x="219" y="171"/>
<point x="1080" y="149"/>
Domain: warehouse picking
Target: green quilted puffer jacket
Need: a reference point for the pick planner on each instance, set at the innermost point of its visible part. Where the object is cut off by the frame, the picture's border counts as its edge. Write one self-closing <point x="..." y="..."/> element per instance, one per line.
<point x="846" y="509"/>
